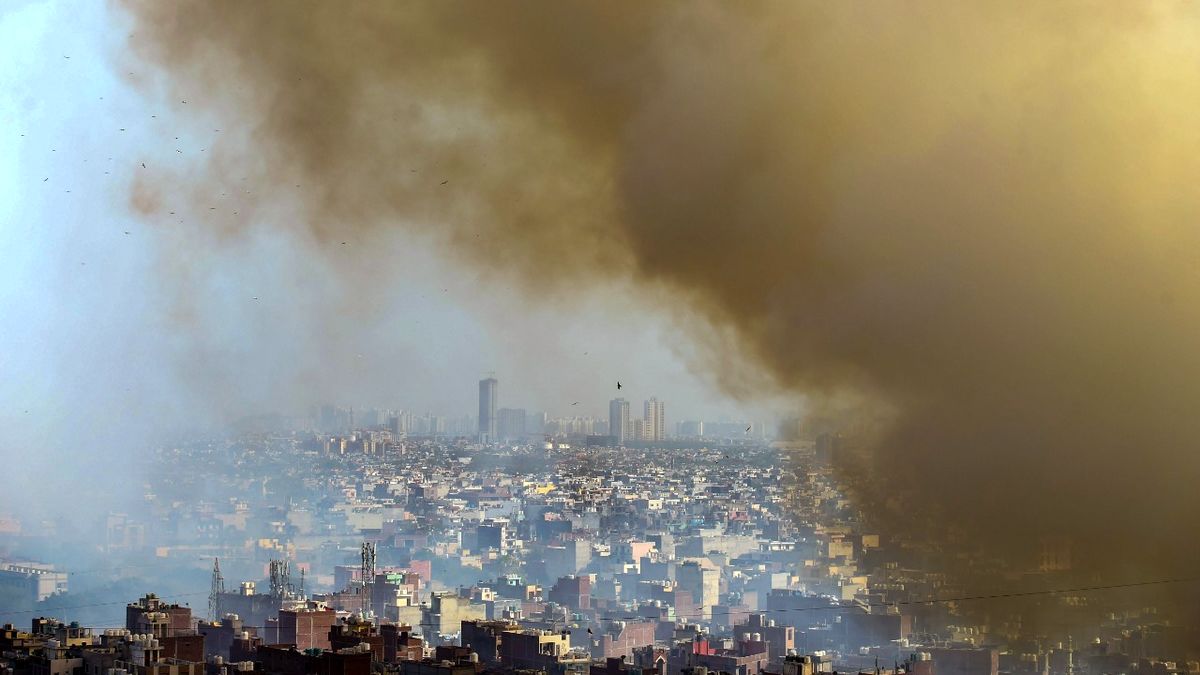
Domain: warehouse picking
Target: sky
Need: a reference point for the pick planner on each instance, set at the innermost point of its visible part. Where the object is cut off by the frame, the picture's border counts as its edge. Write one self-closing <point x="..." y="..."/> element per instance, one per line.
<point x="121" y="326"/>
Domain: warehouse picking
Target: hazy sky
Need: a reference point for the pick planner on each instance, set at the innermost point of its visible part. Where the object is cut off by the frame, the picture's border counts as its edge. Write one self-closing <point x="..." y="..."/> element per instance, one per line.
<point x="111" y="337"/>
<point x="76" y="132"/>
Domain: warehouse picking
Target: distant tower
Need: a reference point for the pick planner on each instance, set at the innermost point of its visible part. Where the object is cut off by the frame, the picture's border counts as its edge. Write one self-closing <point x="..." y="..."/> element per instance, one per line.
<point x="618" y="420"/>
<point x="655" y="424"/>
<point x="367" y="574"/>
<point x="368" y="561"/>
<point x="214" y="595"/>
<point x="280" y="578"/>
<point x="487" y="409"/>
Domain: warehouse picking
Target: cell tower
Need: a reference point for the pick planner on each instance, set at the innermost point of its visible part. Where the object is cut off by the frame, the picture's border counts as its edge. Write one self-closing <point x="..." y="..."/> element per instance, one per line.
<point x="214" y="595"/>
<point x="280" y="578"/>
<point x="368" y="562"/>
<point x="368" y="575"/>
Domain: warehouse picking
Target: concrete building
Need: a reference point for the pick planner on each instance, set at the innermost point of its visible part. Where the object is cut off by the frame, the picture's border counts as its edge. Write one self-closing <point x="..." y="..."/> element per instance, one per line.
<point x="746" y="658"/>
<point x="622" y="638"/>
<point x="276" y="660"/>
<point x="703" y="581"/>
<point x="510" y="424"/>
<point x="152" y="616"/>
<point x="654" y="428"/>
<point x="253" y="608"/>
<point x="488" y="393"/>
<point x="306" y="628"/>
<point x="781" y="640"/>
<point x="447" y="610"/>
<point x="956" y="661"/>
<point x="619" y="425"/>
<point x="35" y="581"/>
<point x="545" y="650"/>
<point x="484" y="637"/>
<point x="219" y="637"/>
<point x="568" y="559"/>
<point x="353" y="632"/>
<point x="574" y="592"/>
<point x="399" y="643"/>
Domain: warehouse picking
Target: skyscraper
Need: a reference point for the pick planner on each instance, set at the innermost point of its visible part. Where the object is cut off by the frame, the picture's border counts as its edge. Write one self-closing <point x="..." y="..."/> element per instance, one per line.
<point x="510" y="424"/>
<point x="655" y="425"/>
<point x="618" y="420"/>
<point x="487" y="409"/>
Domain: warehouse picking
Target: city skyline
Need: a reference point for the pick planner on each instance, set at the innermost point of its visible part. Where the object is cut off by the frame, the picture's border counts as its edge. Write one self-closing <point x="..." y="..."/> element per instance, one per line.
<point x="513" y="423"/>
<point x="878" y="317"/>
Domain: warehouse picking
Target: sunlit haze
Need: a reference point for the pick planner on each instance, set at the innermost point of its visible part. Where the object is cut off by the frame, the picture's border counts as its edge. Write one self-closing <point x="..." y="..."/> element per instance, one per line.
<point x="772" y="337"/>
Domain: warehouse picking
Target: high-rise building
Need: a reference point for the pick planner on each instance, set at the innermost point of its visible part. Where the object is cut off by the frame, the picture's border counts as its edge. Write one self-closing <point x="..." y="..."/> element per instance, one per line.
<point x="535" y="422"/>
<point x="827" y="447"/>
<point x="618" y="420"/>
<point x="510" y="423"/>
<point x="487" y="409"/>
<point x="655" y="425"/>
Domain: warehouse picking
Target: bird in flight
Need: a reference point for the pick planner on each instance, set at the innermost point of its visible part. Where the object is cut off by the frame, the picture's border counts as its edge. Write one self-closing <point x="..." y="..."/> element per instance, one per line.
<point x="575" y="403"/>
<point x="445" y="181"/>
<point x="618" y="384"/>
<point x="748" y="429"/>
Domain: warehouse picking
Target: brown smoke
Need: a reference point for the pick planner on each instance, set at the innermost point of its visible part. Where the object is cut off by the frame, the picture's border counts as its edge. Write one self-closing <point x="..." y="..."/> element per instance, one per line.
<point x="980" y="217"/>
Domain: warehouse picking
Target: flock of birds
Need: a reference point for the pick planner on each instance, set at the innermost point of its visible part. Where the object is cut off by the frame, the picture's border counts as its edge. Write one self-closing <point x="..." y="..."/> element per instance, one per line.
<point x="46" y="179"/>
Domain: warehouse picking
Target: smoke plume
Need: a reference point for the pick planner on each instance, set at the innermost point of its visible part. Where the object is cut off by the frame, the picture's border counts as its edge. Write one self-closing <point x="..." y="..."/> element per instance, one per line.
<point x="976" y="220"/>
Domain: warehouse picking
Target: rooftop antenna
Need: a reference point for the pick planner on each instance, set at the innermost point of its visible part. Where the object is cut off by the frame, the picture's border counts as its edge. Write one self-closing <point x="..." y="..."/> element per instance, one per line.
<point x="280" y="578"/>
<point x="214" y="595"/>
<point x="368" y="574"/>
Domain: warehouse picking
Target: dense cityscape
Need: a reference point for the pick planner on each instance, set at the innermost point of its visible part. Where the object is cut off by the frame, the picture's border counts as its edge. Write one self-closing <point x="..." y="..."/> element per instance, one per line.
<point x="508" y="542"/>
<point x="448" y="337"/>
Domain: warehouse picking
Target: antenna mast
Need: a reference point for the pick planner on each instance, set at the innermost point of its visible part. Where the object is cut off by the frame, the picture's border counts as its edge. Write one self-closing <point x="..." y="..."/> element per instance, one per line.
<point x="214" y="595"/>
<point x="368" y="575"/>
<point x="280" y="579"/>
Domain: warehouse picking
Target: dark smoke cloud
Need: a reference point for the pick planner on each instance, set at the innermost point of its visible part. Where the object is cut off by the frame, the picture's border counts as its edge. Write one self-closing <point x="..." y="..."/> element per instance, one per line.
<point x="977" y="221"/>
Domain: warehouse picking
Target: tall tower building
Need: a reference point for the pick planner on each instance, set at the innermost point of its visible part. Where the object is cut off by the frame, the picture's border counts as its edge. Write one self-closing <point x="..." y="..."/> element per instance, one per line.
<point x="655" y="425"/>
<point x="487" y="409"/>
<point x="618" y="420"/>
<point x="510" y="424"/>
